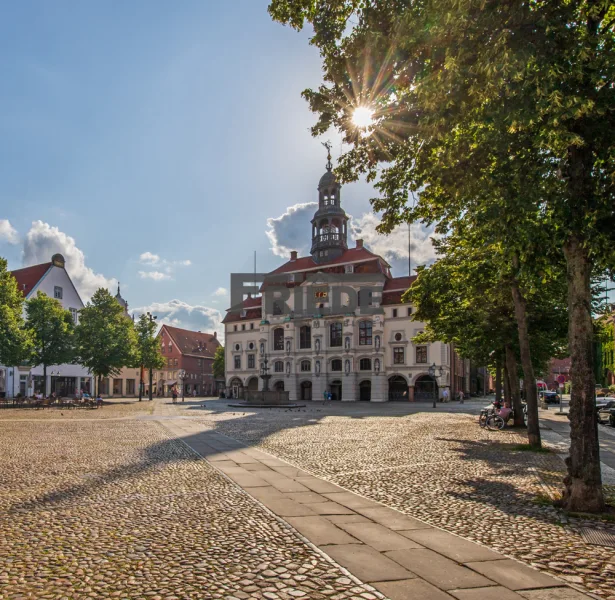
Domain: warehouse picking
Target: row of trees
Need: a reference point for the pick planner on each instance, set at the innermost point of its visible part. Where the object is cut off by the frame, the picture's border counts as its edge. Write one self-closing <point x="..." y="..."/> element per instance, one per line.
<point x="105" y="340"/>
<point x="499" y="115"/>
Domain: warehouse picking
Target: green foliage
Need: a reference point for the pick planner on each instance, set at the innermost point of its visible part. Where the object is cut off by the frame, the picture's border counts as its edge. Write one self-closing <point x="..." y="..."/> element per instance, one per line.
<point x="14" y="340"/>
<point x="106" y="338"/>
<point x="218" y="364"/>
<point x="148" y="352"/>
<point x="499" y="115"/>
<point x="51" y="328"/>
<point x="465" y="298"/>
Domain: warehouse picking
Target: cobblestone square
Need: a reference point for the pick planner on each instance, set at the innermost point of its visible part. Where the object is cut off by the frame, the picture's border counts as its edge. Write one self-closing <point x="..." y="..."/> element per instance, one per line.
<point x="440" y="467"/>
<point x="117" y="508"/>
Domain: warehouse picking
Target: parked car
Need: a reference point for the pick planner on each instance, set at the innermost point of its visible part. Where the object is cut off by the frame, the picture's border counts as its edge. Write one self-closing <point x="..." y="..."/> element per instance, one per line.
<point x="606" y="408"/>
<point x="549" y="397"/>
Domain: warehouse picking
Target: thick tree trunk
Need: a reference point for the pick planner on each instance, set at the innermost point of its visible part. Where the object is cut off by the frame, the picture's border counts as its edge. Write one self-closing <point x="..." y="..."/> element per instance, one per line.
<point x="141" y="383"/>
<point x="513" y="385"/>
<point x="98" y="382"/>
<point x="44" y="381"/>
<point x="498" y="380"/>
<point x="529" y="379"/>
<point x="151" y="385"/>
<point x="507" y="398"/>
<point x="583" y="484"/>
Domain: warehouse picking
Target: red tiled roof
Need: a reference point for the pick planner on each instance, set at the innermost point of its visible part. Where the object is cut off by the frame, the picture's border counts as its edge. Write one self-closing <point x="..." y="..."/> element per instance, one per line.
<point x="307" y="262"/>
<point x="28" y="277"/>
<point x="252" y="306"/>
<point x="398" y="283"/>
<point x="251" y="302"/>
<point x="187" y="341"/>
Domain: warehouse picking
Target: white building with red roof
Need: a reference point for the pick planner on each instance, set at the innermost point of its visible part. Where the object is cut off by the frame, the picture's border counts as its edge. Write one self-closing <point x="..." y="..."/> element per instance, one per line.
<point x="317" y="340"/>
<point x="52" y="279"/>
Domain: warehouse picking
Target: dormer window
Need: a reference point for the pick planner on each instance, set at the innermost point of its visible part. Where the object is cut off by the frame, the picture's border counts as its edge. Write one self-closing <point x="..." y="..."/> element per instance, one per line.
<point x="57" y="292"/>
<point x="291" y="278"/>
<point x="349" y="268"/>
<point x="243" y="313"/>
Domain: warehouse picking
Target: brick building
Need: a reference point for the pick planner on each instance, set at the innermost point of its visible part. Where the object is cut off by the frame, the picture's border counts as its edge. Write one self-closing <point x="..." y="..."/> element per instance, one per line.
<point x="191" y="351"/>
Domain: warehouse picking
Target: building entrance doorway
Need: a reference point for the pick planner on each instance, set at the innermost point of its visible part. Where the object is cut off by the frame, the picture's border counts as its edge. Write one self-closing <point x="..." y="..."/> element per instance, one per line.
<point x="253" y="384"/>
<point x="306" y="390"/>
<point x="425" y="389"/>
<point x="236" y="388"/>
<point x="365" y="391"/>
<point x="398" y="389"/>
<point x="336" y="390"/>
<point x="64" y="386"/>
<point x="279" y="386"/>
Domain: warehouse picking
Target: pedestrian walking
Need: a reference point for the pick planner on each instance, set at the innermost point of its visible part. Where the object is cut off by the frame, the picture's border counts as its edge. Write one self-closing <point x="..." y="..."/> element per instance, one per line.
<point x="325" y="396"/>
<point x="461" y="396"/>
<point x="445" y="395"/>
<point x="330" y="396"/>
<point x="174" y="394"/>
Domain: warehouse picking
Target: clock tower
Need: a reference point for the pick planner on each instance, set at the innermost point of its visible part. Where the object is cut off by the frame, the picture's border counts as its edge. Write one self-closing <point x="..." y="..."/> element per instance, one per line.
<point x="330" y="222"/>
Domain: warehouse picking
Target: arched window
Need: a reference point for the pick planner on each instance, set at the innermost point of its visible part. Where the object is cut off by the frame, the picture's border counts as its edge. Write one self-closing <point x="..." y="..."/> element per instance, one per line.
<point x="278" y="366"/>
<point x="336" y="364"/>
<point x="365" y="364"/>
<point x="365" y="333"/>
<point x="306" y="366"/>
<point x="335" y="335"/>
<point x="305" y="337"/>
<point x="278" y="339"/>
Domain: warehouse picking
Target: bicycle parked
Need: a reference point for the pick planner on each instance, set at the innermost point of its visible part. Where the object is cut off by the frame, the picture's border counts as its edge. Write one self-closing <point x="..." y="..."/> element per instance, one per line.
<point x="496" y="416"/>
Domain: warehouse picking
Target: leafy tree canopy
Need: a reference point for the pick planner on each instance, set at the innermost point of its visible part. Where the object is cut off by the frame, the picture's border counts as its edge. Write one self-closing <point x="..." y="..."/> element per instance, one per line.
<point x="106" y="338"/>
<point x="148" y="352"/>
<point x="51" y="328"/>
<point x="14" y="340"/>
<point x="218" y="366"/>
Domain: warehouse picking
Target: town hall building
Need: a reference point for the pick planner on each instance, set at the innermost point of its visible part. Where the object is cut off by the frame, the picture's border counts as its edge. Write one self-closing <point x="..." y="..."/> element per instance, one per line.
<point x="323" y="341"/>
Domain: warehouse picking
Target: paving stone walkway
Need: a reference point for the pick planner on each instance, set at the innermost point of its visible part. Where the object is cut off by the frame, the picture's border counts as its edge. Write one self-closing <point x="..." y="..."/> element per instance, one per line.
<point x="402" y="557"/>
<point x="154" y="502"/>
<point x="437" y="466"/>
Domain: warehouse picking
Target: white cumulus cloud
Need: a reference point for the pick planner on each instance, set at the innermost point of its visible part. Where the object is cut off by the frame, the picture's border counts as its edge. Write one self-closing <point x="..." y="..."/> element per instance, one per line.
<point x="221" y="291"/>
<point x="187" y="316"/>
<point x="8" y="233"/>
<point x="43" y="241"/>
<point x="394" y="246"/>
<point x="155" y="275"/>
<point x="292" y="231"/>
<point x="154" y="260"/>
<point x="147" y="258"/>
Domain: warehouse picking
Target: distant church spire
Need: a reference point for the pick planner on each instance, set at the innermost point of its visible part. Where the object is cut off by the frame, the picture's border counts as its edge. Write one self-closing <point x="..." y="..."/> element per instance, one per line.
<point x="121" y="300"/>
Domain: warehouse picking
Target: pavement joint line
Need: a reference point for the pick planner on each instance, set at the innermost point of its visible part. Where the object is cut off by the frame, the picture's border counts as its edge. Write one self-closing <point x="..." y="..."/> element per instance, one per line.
<point x="284" y="523"/>
<point x="504" y="556"/>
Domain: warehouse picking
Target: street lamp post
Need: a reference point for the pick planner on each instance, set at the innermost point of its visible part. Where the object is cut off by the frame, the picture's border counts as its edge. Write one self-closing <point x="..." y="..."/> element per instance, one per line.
<point x="151" y="375"/>
<point x="435" y="373"/>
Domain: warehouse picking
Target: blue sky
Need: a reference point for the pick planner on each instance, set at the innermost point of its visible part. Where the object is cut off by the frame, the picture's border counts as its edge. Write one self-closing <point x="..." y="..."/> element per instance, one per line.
<point x="174" y="129"/>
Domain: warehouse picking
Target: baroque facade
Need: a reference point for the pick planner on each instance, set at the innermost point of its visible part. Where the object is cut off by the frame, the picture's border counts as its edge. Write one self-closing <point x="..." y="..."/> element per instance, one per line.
<point x="338" y="326"/>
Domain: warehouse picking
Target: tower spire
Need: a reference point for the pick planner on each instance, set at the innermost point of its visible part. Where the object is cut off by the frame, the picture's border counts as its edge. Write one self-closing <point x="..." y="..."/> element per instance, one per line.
<point x="328" y="146"/>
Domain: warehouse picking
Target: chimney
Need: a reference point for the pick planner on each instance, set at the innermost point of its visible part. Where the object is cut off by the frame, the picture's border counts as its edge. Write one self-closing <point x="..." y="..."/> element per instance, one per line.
<point x="215" y="335"/>
<point x="359" y="243"/>
<point x="293" y="255"/>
